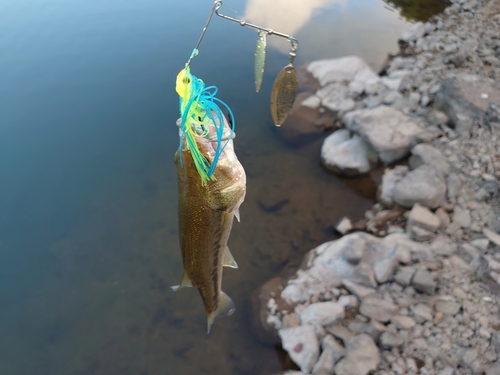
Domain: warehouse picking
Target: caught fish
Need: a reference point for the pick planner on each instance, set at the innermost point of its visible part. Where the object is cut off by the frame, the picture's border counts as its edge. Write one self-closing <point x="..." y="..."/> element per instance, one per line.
<point x="260" y="59"/>
<point x="283" y="95"/>
<point x="206" y="213"/>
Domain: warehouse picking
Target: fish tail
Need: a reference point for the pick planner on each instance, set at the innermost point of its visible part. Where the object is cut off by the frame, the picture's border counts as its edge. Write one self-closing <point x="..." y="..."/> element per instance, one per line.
<point x="226" y="308"/>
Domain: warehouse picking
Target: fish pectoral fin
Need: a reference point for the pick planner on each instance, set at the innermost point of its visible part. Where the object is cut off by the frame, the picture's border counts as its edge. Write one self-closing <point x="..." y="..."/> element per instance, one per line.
<point x="237" y="214"/>
<point x="226" y="308"/>
<point x="185" y="283"/>
<point x="228" y="260"/>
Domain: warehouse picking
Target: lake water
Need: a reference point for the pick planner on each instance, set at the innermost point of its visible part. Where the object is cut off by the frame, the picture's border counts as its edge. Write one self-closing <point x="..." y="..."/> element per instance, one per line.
<point x="88" y="194"/>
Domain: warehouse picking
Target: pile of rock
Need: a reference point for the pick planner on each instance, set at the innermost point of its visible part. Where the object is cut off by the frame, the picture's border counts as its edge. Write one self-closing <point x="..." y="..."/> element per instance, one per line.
<point x="417" y="291"/>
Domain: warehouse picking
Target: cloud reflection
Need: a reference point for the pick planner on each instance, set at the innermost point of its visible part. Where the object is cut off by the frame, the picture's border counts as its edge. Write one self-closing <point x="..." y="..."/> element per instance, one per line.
<point x="286" y="16"/>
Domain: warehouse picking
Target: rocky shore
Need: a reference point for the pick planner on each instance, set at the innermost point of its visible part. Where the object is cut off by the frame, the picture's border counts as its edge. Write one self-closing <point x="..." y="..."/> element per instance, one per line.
<point x="414" y="288"/>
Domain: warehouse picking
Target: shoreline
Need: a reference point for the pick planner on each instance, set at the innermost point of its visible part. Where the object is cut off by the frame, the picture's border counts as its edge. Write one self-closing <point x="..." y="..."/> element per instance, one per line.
<point x="414" y="288"/>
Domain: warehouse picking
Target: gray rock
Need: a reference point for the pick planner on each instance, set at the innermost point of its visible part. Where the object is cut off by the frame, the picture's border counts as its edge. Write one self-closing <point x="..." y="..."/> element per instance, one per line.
<point x="324" y="313"/>
<point x="340" y="332"/>
<point x="459" y="264"/>
<point x="342" y="69"/>
<point x="378" y="309"/>
<point x="422" y="281"/>
<point x="442" y="246"/>
<point x="464" y="98"/>
<point x="390" y="340"/>
<point x="404" y="275"/>
<point x="493" y="369"/>
<point x="453" y="184"/>
<point x="419" y="234"/>
<point x="301" y="345"/>
<point x="345" y="153"/>
<point x="461" y="217"/>
<point x="403" y="321"/>
<point x="358" y="290"/>
<point x="414" y="32"/>
<point x="362" y="356"/>
<point x="447" y="371"/>
<point x="391" y="133"/>
<point x="329" y="343"/>
<point x="389" y="180"/>
<point x="422" y="313"/>
<point x="332" y="353"/>
<point x="448" y="307"/>
<point x="375" y="329"/>
<point x="348" y="301"/>
<point x="427" y="154"/>
<point x="423" y="217"/>
<point x="355" y="251"/>
<point x="444" y="219"/>
<point x="492" y="236"/>
<point x="363" y="274"/>
<point x="422" y="185"/>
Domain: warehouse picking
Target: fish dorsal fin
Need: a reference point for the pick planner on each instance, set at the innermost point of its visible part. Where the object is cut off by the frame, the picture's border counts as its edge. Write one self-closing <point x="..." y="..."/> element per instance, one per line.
<point x="184" y="283"/>
<point x="226" y="308"/>
<point x="237" y="214"/>
<point x="228" y="260"/>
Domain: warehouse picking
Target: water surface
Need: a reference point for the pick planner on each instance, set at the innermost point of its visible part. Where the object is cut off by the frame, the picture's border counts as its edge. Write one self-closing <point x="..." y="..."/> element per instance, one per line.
<point x="88" y="204"/>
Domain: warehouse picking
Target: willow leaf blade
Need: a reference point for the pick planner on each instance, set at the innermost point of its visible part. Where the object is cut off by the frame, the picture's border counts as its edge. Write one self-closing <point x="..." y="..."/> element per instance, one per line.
<point x="260" y="59"/>
<point x="285" y="88"/>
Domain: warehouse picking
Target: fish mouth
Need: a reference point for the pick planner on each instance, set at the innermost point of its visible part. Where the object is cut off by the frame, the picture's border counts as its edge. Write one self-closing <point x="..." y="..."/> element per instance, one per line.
<point x="209" y="141"/>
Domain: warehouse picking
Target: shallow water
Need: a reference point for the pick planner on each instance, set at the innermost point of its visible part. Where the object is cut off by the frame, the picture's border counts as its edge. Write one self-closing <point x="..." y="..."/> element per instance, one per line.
<point x="88" y="195"/>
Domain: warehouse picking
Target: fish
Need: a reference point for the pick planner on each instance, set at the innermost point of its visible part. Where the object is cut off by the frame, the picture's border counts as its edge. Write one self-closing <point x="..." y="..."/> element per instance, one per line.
<point x="260" y="59"/>
<point x="283" y="94"/>
<point x="206" y="213"/>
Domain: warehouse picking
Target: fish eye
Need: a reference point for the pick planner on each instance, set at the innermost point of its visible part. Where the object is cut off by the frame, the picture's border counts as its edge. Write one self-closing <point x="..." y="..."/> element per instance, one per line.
<point x="186" y="80"/>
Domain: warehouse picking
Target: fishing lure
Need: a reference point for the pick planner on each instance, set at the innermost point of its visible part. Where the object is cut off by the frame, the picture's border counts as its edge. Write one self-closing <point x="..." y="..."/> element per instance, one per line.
<point x="200" y="111"/>
<point x="286" y="84"/>
<point x="260" y="59"/>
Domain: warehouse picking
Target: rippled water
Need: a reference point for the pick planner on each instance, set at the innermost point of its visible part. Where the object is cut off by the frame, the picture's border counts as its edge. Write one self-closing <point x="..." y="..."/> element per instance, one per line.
<point x="88" y="225"/>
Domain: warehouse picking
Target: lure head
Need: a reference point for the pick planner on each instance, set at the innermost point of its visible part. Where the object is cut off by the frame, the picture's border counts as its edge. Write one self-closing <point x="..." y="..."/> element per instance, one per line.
<point x="183" y="83"/>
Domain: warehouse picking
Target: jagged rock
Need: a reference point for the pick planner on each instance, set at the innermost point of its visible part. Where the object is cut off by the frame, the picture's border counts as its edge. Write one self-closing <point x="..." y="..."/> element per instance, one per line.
<point x="375" y="329"/>
<point x="444" y="219"/>
<point x="358" y="290"/>
<point x="301" y="345"/>
<point x="332" y="353"/>
<point x="363" y="274"/>
<point x="423" y="217"/>
<point x="378" y="309"/>
<point x="422" y="313"/>
<point x="492" y="236"/>
<point x="324" y="313"/>
<point x="391" y="133"/>
<point x="464" y="98"/>
<point x="453" y="184"/>
<point x="426" y="154"/>
<point x="362" y="356"/>
<point x="340" y="332"/>
<point x="423" y="282"/>
<point x="419" y="234"/>
<point x="347" y="153"/>
<point x="389" y="180"/>
<point x="404" y="275"/>
<point x="442" y="246"/>
<point x="422" y="185"/>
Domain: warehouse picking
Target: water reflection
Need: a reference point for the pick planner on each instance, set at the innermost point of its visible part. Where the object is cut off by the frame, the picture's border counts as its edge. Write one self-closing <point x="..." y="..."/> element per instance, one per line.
<point x="418" y="10"/>
<point x="287" y="16"/>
